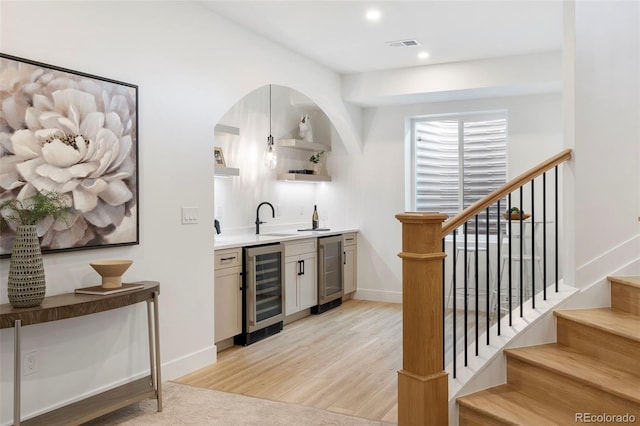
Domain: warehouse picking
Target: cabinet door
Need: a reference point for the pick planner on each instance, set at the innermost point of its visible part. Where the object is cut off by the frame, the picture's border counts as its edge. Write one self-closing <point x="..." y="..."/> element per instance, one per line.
<point x="308" y="282"/>
<point x="350" y="269"/>
<point x="291" y="296"/>
<point x="228" y="303"/>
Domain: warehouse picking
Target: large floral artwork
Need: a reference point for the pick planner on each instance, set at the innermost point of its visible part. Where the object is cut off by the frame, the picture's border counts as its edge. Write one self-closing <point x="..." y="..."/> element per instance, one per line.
<point x="74" y="133"/>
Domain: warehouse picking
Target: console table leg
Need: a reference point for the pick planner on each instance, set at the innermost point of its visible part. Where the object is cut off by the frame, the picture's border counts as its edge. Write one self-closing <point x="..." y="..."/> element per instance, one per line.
<point x="152" y="358"/>
<point x="157" y="351"/>
<point x="17" y="328"/>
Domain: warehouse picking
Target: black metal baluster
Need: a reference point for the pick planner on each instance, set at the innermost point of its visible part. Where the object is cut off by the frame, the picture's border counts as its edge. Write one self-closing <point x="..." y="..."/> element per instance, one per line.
<point x="521" y="254"/>
<point x="556" y="225"/>
<point x="488" y="290"/>
<point x="544" y="236"/>
<point x="466" y="293"/>
<point x="533" y="246"/>
<point x="498" y="266"/>
<point x="476" y="276"/>
<point x="444" y="305"/>
<point x="454" y="290"/>
<point x="510" y="262"/>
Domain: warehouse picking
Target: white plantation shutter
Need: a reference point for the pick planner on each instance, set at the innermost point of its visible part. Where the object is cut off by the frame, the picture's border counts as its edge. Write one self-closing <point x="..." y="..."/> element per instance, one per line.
<point x="458" y="161"/>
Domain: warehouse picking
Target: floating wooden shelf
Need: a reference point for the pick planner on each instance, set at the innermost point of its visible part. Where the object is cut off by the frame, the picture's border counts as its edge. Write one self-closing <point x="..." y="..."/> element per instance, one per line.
<point x="299" y="177"/>
<point x="223" y="129"/>
<point x="227" y="171"/>
<point x="300" y="144"/>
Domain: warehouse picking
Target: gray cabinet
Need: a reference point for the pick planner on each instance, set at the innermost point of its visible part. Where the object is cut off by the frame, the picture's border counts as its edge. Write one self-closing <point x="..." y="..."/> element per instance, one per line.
<point x="300" y="275"/>
<point x="350" y="266"/>
<point x="228" y="293"/>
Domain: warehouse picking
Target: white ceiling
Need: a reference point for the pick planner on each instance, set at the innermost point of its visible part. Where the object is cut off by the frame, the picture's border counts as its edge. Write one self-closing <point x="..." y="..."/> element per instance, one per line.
<point x="334" y="32"/>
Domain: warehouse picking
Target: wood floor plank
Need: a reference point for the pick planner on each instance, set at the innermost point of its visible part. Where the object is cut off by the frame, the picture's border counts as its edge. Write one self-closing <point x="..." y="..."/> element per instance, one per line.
<point x="344" y="360"/>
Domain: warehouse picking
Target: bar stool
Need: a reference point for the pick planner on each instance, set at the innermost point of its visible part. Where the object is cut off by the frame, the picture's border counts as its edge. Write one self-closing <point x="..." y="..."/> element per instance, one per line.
<point x="471" y="263"/>
<point x="526" y="258"/>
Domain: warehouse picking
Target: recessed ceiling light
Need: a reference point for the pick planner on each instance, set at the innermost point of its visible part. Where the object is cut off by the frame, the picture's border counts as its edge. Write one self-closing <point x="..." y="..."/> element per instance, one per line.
<point x="373" y="15"/>
<point x="423" y="55"/>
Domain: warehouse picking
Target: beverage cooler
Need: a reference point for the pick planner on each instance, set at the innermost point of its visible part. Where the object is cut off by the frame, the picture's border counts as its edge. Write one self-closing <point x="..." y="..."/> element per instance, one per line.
<point x="330" y="287"/>
<point x="263" y="288"/>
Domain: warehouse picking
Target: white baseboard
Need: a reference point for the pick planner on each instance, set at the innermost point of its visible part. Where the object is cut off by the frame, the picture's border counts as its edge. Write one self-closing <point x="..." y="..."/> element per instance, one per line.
<point x="378" y="295"/>
<point x="623" y="256"/>
<point x="188" y="363"/>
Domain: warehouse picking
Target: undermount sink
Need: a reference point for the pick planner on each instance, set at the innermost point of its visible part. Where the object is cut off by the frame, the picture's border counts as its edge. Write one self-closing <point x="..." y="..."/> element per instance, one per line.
<point x="276" y="234"/>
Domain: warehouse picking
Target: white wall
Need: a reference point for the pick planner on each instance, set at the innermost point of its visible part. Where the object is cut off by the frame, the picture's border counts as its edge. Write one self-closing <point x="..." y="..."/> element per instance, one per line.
<point x="535" y="133"/>
<point x="605" y="95"/>
<point x="191" y="67"/>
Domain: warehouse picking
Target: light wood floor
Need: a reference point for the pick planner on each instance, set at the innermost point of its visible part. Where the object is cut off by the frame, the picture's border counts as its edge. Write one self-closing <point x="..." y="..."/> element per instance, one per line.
<point x="344" y="360"/>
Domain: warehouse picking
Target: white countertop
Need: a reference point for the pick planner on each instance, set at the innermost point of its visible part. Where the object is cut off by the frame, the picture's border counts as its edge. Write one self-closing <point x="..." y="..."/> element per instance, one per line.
<point x="223" y="241"/>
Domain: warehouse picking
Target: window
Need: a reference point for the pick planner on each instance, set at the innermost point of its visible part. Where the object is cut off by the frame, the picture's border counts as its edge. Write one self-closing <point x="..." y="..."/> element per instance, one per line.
<point x="457" y="160"/>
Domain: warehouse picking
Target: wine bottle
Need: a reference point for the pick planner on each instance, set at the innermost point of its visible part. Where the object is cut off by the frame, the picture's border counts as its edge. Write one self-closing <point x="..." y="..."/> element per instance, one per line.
<point x="314" y="219"/>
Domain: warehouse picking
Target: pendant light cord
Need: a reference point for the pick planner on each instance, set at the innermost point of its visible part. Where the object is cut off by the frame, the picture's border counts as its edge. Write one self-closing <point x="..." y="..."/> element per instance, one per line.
<point x="270" y="110"/>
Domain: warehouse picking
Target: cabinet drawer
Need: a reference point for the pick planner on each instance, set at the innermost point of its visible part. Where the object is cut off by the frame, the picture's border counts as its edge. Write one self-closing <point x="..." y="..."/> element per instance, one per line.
<point x="349" y="239"/>
<point x="296" y="248"/>
<point x="228" y="258"/>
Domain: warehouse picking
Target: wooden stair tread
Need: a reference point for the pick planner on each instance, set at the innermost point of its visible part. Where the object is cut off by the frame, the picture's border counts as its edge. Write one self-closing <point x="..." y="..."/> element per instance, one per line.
<point x="631" y="281"/>
<point x="506" y="404"/>
<point x="581" y="367"/>
<point x="606" y="319"/>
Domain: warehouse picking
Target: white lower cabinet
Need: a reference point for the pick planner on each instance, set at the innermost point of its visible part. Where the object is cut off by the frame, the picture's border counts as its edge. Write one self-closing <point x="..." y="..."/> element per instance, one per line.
<point x="228" y="293"/>
<point x="300" y="275"/>
<point x="349" y="263"/>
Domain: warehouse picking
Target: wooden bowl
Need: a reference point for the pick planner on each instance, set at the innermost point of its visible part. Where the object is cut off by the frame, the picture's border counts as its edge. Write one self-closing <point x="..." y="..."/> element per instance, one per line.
<point x="111" y="271"/>
<point x="516" y="216"/>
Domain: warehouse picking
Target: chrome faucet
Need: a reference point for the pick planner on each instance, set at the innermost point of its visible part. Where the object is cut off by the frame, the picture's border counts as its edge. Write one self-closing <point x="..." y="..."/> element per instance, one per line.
<point x="258" y="221"/>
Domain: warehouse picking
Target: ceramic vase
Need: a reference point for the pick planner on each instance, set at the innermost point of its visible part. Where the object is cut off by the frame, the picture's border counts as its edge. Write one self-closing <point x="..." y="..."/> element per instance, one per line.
<point x="26" y="285"/>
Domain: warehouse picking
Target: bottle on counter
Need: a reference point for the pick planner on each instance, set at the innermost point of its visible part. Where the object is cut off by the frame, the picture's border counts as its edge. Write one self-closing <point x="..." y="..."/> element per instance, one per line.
<point x="315" y="220"/>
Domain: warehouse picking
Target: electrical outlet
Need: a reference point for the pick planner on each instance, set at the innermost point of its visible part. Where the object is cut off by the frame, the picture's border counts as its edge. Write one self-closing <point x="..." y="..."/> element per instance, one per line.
<point x="29" y="363"/>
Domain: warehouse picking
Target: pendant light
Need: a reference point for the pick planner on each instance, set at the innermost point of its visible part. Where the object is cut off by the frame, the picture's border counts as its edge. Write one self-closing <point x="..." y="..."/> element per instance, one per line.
<point x="270" y="156"/>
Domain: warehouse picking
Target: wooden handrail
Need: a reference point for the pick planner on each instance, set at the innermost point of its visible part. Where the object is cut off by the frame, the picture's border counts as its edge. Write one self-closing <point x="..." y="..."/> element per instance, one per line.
<point x="458" y="220"/>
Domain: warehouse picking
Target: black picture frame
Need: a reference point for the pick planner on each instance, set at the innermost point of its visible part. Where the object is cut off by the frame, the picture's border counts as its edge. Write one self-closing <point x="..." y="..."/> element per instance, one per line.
<point x="77" y="134"/>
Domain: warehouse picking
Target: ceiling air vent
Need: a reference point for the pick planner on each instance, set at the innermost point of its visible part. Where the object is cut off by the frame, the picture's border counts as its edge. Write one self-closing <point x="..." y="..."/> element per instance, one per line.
<point x="403" y="43"/>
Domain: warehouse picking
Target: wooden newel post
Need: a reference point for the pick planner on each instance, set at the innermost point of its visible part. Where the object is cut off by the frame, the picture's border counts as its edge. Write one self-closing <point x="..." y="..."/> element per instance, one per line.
<point x="422" y="383"/>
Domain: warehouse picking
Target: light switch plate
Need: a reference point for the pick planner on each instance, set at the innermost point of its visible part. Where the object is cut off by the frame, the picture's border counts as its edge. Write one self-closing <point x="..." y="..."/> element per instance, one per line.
<point x="189" y="215"/>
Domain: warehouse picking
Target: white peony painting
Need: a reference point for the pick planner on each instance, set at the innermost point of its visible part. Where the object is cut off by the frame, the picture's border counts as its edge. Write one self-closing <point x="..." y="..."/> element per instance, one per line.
<point x="77" y="134"/>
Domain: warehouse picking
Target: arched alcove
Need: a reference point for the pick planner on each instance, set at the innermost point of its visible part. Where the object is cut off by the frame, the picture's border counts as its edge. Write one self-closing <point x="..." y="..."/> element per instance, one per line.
<point x="242" y="138"/>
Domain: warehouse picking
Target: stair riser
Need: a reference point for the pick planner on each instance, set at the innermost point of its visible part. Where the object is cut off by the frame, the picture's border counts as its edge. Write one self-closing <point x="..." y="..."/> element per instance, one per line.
<point x="471" y="417"/>
<point x="552" y="388"/>
<point x="614" y="350"/>
<point x="625" y="298"/>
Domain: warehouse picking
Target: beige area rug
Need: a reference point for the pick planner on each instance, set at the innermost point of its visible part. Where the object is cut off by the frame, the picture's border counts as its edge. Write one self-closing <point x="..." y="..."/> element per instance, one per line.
<point x="189" y="405"/>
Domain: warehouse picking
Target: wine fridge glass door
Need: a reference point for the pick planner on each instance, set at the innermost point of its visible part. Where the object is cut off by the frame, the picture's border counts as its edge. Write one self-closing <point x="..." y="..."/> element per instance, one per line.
<point x="265" y="289"/>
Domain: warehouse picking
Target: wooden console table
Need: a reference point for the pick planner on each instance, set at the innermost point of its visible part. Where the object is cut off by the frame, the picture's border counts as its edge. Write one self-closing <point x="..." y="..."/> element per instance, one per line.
<point x="72" y="305"/>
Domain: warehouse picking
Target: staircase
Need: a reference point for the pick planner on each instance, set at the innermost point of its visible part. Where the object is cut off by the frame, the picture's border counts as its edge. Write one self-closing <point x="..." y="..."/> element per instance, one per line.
<point x="591" y="375"/>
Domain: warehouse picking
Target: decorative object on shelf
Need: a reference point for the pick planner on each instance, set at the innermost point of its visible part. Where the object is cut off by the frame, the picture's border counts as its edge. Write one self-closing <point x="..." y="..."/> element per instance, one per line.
<point x="316" y="162"/>
<point x="76" y="133"/>
<point x="515" y="214"/>
<point x="26" y="282"/>
<point x="218" y="157"/>
<point x="111" y="271"/>
<point x="306" y="132"/>
<point x="270" y="155"/>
